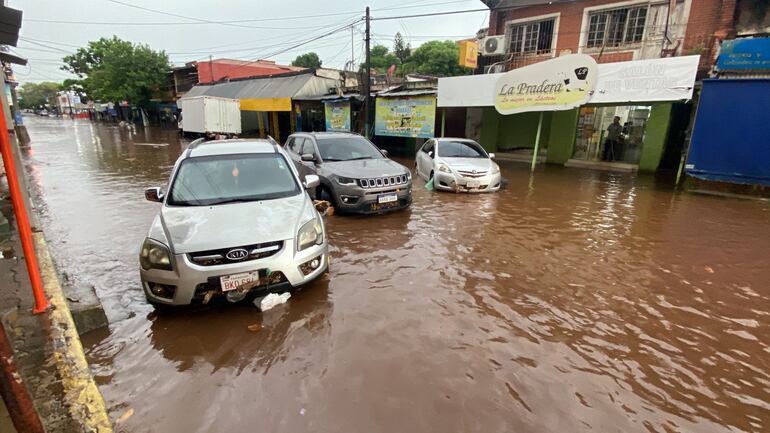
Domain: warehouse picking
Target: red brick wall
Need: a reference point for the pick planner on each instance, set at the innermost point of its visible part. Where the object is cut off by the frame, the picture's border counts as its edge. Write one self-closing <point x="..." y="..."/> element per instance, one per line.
<point x="709" y="20"/>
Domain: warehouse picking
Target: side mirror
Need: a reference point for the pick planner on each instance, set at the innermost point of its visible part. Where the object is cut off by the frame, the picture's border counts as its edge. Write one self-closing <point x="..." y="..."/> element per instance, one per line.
<point x="312" y="181"/>
<point x="308" y="157"/>
<point x="430" y="153"/>
<point x="384" y="152"/>
<point x="491" y="156"/>
<point x="154" y="194"/>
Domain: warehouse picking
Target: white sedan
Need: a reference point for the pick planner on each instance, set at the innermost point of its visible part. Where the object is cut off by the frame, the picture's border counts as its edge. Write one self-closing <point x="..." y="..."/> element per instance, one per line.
<point x="458" y="164"/>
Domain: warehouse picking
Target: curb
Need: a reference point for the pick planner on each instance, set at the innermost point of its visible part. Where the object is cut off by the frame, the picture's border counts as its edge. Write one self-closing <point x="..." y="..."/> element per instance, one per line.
<point x="82" y="397"/>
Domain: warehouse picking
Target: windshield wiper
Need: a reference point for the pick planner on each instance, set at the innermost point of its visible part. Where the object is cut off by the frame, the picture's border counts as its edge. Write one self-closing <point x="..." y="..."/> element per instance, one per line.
<point x="360" y="157"/>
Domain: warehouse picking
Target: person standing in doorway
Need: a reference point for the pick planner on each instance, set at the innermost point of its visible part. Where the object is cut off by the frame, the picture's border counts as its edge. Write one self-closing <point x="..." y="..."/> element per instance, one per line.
<point x="611" y="143"/>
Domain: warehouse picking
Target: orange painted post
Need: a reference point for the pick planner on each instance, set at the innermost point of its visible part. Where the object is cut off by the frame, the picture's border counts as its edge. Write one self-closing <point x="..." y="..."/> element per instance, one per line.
<point x="22" y="220"/>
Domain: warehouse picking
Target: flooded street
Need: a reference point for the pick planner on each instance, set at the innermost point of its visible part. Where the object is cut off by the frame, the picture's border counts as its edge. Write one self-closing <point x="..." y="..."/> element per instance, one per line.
<point x="571" y="301"/>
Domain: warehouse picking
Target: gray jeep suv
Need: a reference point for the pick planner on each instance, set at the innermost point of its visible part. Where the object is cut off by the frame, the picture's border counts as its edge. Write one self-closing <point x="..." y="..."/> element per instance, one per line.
<point x="356" y="176"/>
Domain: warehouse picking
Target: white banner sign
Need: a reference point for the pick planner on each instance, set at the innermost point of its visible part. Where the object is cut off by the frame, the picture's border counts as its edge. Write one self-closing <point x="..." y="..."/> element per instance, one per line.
<point x="562" y="83"/>
<point x="667" y="79"/>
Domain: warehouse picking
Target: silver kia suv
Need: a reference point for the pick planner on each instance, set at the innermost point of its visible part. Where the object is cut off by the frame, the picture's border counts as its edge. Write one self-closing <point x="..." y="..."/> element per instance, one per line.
<point x="237" y="219"/>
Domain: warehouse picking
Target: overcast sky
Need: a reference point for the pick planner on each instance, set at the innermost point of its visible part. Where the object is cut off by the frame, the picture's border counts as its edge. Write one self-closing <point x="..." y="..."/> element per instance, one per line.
<point x="282" y="23"/>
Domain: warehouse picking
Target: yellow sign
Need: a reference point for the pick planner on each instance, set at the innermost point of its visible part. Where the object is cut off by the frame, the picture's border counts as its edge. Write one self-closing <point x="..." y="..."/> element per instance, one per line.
<point x="562" y="83"/>
<point x="266" y="104"/>
<point x="469" y="54"/>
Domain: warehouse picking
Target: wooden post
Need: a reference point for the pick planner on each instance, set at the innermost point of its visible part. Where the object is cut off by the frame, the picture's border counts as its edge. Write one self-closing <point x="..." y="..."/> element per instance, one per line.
<point x="292" y="121"/>
<point x="537" y="141"/>
<point x="443" y="120"/>
<point x="275" y="130"/>
<point x="261" y="122"/>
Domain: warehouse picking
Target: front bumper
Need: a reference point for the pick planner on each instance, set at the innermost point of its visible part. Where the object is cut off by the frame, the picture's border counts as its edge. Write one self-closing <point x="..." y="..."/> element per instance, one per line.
<point x="458" y="183"/>
<point x="190" y="281"/>
<point x="354" y="199"/>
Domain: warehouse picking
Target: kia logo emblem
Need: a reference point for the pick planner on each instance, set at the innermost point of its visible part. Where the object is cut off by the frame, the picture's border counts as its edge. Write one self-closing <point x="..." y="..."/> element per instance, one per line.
<point x="237" y="254"/>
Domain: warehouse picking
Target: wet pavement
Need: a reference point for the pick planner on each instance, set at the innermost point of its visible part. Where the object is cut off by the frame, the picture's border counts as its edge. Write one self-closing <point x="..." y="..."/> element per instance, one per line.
<point x="570" y="301"/>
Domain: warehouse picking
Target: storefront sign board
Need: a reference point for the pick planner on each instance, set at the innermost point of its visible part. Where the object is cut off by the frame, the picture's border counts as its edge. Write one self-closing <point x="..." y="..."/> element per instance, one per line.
<point x="750" y="54"/>
<point x="653" y="80"/>
<point x="406" y="117"/>
<point x="562" y="83"/>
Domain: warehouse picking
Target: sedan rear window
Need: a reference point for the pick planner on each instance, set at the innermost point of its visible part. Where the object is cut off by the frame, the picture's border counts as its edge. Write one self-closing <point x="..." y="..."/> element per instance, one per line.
<point x="460" y="149"/>
<point x="220" y="179"/>
<point x="347" y="149"/>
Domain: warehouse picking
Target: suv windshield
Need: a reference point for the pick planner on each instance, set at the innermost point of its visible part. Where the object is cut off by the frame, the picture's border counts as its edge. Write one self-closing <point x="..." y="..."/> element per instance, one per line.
<point x="220" y="179"/>
<point x="346" y="148"/>
<point x="460" y="149"/>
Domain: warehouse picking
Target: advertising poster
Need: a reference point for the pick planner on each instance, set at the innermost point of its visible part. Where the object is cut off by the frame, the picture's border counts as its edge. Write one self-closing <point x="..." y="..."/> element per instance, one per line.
<point x="406" y="117"/>
<point x="337" y="116"/>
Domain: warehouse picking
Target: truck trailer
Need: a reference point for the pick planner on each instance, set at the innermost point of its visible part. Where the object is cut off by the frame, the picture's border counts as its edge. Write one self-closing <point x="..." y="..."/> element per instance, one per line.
<point x="210" y="115"/>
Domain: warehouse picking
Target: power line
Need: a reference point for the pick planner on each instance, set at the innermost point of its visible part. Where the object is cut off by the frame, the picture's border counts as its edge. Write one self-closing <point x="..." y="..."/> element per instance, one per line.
<point x="44" y="45"/>
<point x="198" y="21"/>
<point x="315" y="38"/>
<point x="432" y="14"/>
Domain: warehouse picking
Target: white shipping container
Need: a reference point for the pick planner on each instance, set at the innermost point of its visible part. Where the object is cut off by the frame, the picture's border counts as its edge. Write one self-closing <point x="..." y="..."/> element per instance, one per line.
<point x="210" y="114"/>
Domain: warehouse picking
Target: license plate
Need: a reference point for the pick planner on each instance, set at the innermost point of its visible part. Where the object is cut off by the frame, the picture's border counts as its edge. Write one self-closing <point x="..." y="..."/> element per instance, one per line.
<point x="235" y="281"/>
<point x="387" y="198"/>
<point x="472" y="184"/>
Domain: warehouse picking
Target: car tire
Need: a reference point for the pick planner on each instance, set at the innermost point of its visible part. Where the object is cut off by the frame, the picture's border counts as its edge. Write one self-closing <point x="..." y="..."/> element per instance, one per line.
<point x="324" y="193"/>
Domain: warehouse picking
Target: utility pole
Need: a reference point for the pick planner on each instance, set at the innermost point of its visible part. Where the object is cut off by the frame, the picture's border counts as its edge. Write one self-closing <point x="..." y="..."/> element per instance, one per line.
<point x="367" y="75"/>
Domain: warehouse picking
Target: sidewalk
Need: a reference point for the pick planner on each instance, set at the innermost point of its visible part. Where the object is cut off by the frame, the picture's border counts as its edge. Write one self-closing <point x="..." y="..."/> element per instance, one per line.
<point x="47" y="349"/>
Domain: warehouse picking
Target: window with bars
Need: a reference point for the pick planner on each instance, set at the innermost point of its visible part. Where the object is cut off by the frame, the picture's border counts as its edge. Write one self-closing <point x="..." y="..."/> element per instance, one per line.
<point x="616" y="27"/>
<point x="531" y="38"/>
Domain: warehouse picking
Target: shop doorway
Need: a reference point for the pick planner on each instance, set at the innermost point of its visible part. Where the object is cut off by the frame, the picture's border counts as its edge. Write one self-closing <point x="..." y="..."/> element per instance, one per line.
<point x="591" y="140"/>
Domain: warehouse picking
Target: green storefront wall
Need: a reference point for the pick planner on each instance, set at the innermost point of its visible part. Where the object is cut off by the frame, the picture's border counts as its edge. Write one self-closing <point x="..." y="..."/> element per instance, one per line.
<point x="559" y="130"/>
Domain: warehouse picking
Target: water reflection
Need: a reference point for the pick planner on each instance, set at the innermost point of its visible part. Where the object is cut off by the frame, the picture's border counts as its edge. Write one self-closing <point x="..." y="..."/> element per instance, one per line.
<point x="570" y="301"/>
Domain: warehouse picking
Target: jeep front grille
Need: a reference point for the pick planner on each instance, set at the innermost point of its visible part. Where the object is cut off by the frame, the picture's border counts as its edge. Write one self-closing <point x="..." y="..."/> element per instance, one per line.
<point x="381" y="182"/>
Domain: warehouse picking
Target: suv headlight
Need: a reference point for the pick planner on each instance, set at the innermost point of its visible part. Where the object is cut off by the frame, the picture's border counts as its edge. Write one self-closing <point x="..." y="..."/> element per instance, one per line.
<point x="155" y="255"/>
<point x="342" y="180"/>
<point x="495" y="168"/>
<point x="311" y="233"/>
<point x="444" y="168"/>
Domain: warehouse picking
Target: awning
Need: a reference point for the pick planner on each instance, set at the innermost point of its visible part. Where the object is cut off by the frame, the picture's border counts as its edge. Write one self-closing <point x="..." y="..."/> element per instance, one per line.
<point x="267" y="93"/>
<point x="10" y="58"/>
<point x="642" y="81"/>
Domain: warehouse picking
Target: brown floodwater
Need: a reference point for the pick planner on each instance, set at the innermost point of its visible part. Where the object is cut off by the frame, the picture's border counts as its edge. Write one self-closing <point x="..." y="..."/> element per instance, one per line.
<point x="570" y="301"/>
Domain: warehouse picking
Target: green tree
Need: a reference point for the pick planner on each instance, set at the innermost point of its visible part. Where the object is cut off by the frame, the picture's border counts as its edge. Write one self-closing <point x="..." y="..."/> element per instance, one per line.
<point x="115" y="70"/>
<point x="439" y="58"/>
<point x="33" y="95"/>
<point x="401" y="49"/>
<point x="308" y="60"/>
<point x="380" y="59"/>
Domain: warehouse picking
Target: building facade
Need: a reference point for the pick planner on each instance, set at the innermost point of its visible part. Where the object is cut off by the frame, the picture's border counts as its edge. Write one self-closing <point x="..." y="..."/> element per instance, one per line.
<point x="641" y="33"/>
<point x="609" y="30"/>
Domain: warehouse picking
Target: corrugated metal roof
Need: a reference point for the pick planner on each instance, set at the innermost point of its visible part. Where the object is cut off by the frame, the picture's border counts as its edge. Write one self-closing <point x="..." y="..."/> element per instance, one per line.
<point x="333" y="97"/>
<point x="258" y="88"/>
<point x="416" y="92"/>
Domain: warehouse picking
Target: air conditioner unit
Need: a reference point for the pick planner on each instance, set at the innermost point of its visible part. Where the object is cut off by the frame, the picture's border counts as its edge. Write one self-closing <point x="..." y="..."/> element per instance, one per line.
<point x="493" y="46"/>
